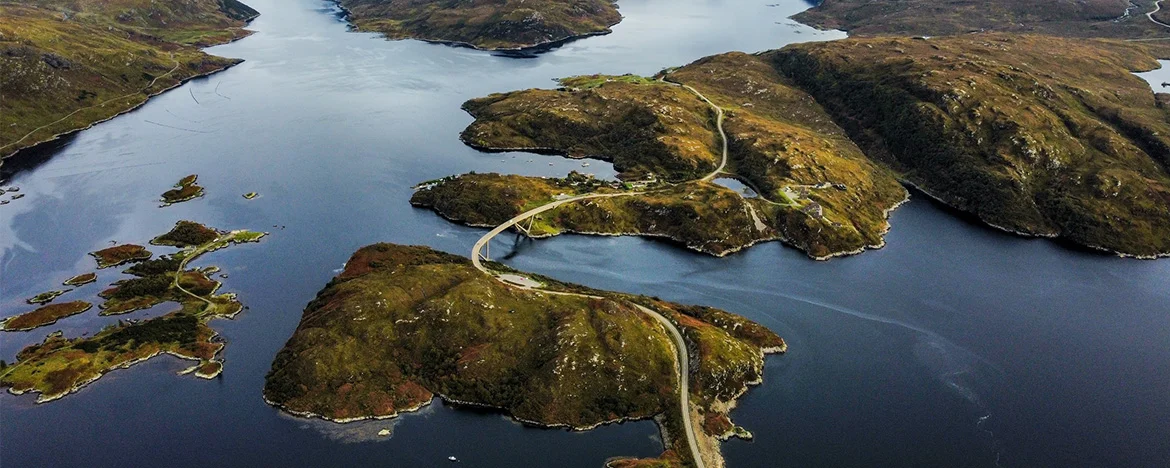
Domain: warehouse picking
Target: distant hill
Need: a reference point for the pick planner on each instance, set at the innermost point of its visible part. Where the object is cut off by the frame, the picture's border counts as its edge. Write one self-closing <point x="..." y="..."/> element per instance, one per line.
<point x="1081" y="18"/>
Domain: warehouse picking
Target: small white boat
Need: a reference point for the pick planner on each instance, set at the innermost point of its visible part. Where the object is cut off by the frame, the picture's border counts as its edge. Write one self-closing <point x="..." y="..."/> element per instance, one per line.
<point x="584" y="164"/>
<point x="452" y="458"/>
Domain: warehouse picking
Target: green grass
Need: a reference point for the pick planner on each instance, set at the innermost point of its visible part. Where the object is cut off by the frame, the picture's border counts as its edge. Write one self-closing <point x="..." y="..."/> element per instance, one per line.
<point x="593" y="81"/>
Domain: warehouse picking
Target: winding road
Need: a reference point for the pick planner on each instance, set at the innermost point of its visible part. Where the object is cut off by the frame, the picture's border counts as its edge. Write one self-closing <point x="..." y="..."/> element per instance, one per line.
<point x="680" y="346"/>
<point x="718" y="126"/>
<point x="1157" y="8"/>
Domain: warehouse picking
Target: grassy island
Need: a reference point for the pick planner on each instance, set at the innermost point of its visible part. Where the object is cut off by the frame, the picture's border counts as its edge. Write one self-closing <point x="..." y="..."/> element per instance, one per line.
<point x="494" y="25"/>
<point x="187" y="234"/>
<point x="65" y="66"/>
<point x="84" y="278"/>
<point x="45" y="315"/>
<point x="1084" y="18"/>
<point x="414" y="323"/>
<point x="1035" y="135"/>
<point x="46" y="297"/>
<point x="120" y="254"/>
<point x="185" y="190"/>
<point x="61" y="365"/>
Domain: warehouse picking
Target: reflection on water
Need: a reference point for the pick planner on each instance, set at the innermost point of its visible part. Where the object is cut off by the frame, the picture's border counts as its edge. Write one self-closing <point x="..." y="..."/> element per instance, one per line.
<point x="954" y="345"/>
<point x="736" y="185"/>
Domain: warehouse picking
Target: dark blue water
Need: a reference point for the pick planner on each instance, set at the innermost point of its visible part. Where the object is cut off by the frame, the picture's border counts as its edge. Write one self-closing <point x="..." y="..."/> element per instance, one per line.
<point x="955" y="345"/>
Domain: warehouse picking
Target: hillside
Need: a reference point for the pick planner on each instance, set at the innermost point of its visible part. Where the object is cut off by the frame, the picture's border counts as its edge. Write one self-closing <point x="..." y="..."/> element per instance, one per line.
<point x="67" y="65"/>
<point x="1033" y="134"/>
<point x="403" y="324"/>
<point x="1036" y="135"/>
<point x="818" y="192"/>
<point x="484" y="24"/>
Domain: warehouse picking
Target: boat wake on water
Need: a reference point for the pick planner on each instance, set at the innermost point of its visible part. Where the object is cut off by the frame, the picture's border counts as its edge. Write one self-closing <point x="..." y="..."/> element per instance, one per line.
<point x="955" y="367"/>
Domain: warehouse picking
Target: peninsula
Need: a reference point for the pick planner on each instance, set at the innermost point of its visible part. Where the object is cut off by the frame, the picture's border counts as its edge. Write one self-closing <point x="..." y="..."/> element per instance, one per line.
<point x="489" y="25"/>
<point x="671" y="138"/>
<point x="65" y="66"/>
<point x="1036" y="135"/>
<point x="404" y="324"/>
<point x="59" y="365"/>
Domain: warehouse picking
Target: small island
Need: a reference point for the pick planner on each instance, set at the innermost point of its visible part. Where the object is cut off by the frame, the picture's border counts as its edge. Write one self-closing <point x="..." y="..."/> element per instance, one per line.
<point x="60" y="365"/>
<point x="416" y="323"/>
<point x="84" y="278"/>
<point x="496" y="25"/>
<point x="120" y="254"/>
<point x="45" y="315"/>
<point x="46" y="297"/>
<point x="1035" y="135"/>
<point x="185" y="189"/>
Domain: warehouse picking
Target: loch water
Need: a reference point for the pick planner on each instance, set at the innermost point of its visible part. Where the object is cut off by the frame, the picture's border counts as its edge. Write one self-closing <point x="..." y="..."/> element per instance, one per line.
<point x="955" y="345"/>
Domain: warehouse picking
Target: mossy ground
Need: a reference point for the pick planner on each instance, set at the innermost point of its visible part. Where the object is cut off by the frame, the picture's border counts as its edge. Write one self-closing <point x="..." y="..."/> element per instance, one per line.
<point x="403" y="323"/>
<point x="504" y="24"/>
<point x="61" y="365"/>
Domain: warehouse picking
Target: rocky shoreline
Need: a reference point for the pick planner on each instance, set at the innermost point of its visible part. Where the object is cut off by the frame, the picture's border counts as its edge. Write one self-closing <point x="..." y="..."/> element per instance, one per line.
<point x="32" y="146"/>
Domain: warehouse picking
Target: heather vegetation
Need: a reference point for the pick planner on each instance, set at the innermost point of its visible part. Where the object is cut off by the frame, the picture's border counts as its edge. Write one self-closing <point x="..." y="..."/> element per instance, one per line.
<point x="1082" y="18"/>
<point x="44" y="315"/>
<point x="1032" y="134"/>
<point x="185" y="189"/>
<point x="414" y="323"/>
<point x="498" y="24"/>
<point x="60" y="365"/>
<point x="119" y="254"/>
<point x="67" y="65"/>
<point x="818" y="191"/>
